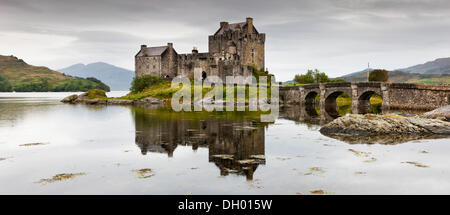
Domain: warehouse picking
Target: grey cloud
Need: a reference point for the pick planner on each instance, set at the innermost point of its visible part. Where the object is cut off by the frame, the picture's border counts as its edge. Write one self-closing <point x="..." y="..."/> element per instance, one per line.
<point x="321" y="33"/>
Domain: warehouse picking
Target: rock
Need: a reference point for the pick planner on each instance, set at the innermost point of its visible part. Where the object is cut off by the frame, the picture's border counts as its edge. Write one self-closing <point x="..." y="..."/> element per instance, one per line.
<point x="442" y="113"/>
<point x="151" y="100"/>
<point x="120" y="102"/>
<point x="70" y="99"/>
<point x="91" y="101"/>
<point x="85" y="98"/>
<point x="83" y="95"/>
<point x="381" y="139"/>
<point x="371" y="124"/>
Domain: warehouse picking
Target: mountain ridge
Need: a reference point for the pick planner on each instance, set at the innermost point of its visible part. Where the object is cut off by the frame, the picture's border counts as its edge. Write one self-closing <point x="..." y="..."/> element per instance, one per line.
<point x="438" y="66"/>
<point x="116" y="77"/>
<point x="17" y="75"/>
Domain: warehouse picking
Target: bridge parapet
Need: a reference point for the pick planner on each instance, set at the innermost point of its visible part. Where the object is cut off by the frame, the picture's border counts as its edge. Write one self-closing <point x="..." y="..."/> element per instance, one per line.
<point x="419" y="86"/>
<point x="310" y="86"/>
<point x="367" y="84"/>
<point x="337" y="84"/>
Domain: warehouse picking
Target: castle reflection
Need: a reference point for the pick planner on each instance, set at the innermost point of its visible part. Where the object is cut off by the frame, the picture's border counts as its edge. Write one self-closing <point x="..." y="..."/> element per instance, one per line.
<point x="235" y="140"/>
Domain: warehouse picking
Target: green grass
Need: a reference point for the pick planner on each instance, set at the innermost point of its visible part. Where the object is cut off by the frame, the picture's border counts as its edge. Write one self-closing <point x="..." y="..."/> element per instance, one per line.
<point x="163" y="90"/>
<point x="96" y="93"/>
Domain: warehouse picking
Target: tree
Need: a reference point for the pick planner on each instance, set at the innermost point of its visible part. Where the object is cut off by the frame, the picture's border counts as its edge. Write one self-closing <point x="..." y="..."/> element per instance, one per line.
<point x="307" y="78"/>
<point x="312" y="76"/>
<point x="378" y="75"/>
<point x="5" y="86"/>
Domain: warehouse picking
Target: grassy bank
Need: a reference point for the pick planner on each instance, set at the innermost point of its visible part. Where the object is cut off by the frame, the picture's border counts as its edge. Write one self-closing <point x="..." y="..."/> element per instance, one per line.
<point x="163" y="90"/>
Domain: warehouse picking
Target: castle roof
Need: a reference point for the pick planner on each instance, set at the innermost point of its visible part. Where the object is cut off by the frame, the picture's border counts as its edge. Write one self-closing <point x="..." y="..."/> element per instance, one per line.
<point x="233" y="27"/>
<point x="153" y="51"/>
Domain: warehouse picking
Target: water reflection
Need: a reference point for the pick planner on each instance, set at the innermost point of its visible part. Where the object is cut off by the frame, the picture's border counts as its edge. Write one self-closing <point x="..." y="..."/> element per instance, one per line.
<point x="310" y="112"/>
<point x="235" y="142"/>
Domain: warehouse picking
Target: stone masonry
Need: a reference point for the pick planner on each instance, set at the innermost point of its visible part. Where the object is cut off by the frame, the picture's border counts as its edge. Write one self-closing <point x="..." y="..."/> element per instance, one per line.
<point x="394" y="95"/>
<point x="232" y="50"/>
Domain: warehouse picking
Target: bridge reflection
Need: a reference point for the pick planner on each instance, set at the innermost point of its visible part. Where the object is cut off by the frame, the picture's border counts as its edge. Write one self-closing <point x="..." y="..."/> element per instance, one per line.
<point x="310" y="113"/>
<point x="235" y="145"/>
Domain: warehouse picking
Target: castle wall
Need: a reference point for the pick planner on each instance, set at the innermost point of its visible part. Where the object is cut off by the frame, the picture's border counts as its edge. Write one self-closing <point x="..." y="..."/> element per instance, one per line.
<point x="231" y="50"/>
<point x="187" y="63"/>
<point x="150" y="65"/>
<point x="253" y="50"/>
<point x="248" y="48"/>
<point x="169" y="63"/>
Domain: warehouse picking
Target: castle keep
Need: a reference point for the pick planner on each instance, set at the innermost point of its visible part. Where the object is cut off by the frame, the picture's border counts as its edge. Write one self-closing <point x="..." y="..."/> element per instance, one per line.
<point x="231" y="51"/>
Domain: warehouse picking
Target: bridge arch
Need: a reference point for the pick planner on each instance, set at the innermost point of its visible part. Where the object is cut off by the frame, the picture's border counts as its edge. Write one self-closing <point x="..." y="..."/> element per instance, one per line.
<point x="331" y="104"/>
<point x="364" y="105"/>
<point x="311" y="105"/>
<point x="310" y="98"/>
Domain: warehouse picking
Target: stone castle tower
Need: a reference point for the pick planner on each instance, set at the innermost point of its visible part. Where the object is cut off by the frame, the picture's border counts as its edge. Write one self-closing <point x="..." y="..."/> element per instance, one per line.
<point x="231" y="51"/>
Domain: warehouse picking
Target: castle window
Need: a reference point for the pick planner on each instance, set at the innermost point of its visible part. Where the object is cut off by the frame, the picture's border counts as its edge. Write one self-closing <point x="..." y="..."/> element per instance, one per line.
<point x="253" y="55"/>
<point x="203" y="75"/>
<point x="154" y="67"/>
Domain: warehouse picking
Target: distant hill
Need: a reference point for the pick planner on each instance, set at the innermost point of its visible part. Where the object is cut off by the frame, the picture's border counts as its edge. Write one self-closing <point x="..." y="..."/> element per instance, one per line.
<point x="17" y="75"/>
<point x="405" y="77"/>
<point x="360" y="72"/>
<point x="117" y="78"/>
<point x="433" y="72"/>
<point x="438" y="66"/>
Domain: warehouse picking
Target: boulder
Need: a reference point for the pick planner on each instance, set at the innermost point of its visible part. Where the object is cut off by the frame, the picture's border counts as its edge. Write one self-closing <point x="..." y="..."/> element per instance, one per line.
<point x="442" y="113"/>
<point x="70" y="99"/>
<point x="371" y="124"/>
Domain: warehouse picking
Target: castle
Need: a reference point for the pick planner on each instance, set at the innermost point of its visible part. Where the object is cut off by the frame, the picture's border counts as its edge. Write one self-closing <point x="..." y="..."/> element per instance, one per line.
<point x="232" y="50"/>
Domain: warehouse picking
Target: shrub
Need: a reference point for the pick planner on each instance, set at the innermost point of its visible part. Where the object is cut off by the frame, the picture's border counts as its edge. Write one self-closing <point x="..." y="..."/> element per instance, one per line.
<point x="378" y="75"/>
<point x="96" y="93"/>
<point x="142" y="82"/>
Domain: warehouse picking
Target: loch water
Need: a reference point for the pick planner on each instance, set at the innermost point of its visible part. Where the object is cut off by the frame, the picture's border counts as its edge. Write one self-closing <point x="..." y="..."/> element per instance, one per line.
<point x="47" y="147"/>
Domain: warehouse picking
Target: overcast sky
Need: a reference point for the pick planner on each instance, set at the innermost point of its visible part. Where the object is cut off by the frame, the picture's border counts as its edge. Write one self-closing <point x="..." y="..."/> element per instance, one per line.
<point x="334" y="36"/>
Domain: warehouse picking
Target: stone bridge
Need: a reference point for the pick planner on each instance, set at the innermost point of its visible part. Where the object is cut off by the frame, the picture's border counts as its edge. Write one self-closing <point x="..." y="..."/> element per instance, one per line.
<point x="394" y="95"/>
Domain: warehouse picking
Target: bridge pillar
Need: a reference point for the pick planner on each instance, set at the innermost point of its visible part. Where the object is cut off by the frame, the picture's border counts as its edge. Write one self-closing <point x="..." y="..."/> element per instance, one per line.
<point x="385" y="96"/>
<point x="302" y="95"/>
<point x="355" y="102"/>
<point x="323" y="91"/>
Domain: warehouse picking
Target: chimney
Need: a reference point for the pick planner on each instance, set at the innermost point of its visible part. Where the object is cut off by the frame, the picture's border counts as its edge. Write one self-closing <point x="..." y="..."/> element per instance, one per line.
<point x="250" y="25"/>
<point x="143" y="47"/>
<point x="223" y="24"/>
<point x="170" y="45"/>
<point x="194" y="50"/>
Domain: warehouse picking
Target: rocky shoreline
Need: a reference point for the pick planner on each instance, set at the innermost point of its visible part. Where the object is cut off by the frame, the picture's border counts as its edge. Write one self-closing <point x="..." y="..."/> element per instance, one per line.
<point x="389" y="124"/>
<point x="85" y="99"/>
